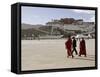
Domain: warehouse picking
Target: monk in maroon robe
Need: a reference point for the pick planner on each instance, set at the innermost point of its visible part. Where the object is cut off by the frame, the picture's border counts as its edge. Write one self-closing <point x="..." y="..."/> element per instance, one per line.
<point x="82" y="48"/>
<point x="68" y="45"/>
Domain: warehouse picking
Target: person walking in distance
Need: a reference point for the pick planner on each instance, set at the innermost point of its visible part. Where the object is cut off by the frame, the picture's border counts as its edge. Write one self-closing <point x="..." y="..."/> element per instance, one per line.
<point x="82" y="48"/>
<point x="74" y="46"/>
<point x="68" y="45"/>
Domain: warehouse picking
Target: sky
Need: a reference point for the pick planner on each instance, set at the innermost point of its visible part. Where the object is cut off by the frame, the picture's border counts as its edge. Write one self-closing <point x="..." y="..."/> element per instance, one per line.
<point x="41" y="15"/>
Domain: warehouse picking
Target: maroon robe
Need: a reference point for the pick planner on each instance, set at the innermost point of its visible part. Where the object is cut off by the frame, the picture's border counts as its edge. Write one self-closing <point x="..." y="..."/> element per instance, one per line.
<point x="82" y="48"/>
<point x="68" y="45"/>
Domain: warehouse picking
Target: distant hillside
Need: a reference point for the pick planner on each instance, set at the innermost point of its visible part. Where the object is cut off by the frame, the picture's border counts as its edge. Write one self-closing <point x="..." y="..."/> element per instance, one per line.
<point x="56" y="29"/>
<point x="29" y="26"/>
